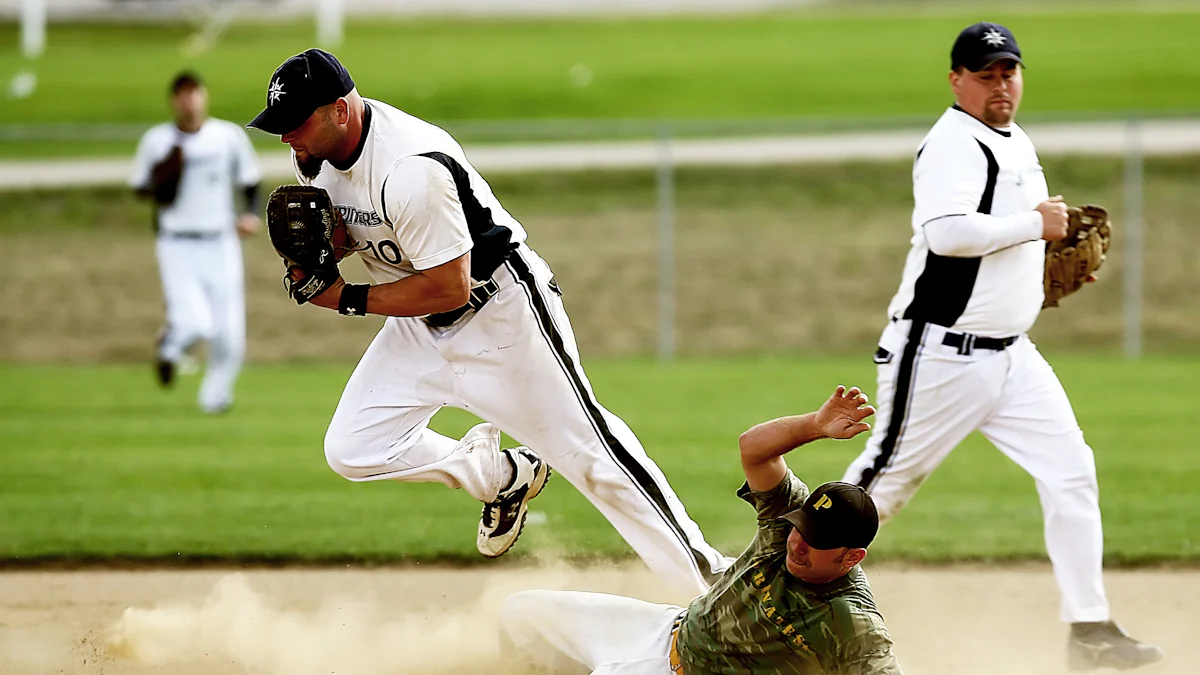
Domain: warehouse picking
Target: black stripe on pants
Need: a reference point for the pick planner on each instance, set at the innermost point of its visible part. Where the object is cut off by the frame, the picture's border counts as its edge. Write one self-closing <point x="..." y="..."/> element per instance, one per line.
<point x="901" y="398"/>
<point x="634" y="469"/>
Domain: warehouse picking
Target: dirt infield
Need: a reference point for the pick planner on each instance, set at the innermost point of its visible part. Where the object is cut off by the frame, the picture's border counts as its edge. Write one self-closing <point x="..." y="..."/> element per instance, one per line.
<point x="961" y="620"/>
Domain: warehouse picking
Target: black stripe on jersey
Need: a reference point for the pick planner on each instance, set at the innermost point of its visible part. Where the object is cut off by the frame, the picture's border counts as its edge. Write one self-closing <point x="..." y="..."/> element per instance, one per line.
<point x="989" y="190"/>
<point x="491" y="243"/>
<point x="383" y="201"/>
<point x="637" y="473"/>
<point x="1006" y="134"/>
<point x="901" y="402"/>
<point x="944" y="288"/>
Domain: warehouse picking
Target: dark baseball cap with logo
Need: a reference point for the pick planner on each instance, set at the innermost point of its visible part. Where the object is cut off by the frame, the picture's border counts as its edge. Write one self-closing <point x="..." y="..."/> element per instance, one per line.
<point x="302" y="84"/>
<point x="835" y="515"/>
<point x="980" y="45"/>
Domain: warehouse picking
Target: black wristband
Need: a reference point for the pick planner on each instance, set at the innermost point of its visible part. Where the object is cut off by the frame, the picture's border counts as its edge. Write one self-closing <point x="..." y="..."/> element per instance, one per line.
<point x="251" y="192"/>
<point x="354" y="300"/>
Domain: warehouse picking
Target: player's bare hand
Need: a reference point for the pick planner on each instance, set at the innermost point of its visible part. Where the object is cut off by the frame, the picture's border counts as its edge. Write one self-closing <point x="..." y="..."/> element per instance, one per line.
<point x="247" y="224"/>
<point x="1054" y="218"/>
<point x="843" y="414"/>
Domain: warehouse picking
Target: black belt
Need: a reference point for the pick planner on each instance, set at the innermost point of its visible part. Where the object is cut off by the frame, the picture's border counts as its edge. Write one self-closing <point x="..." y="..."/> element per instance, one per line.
<point x="479" y="296"/>
<point x="966" y="343"/>
<point x="191" y="235"/>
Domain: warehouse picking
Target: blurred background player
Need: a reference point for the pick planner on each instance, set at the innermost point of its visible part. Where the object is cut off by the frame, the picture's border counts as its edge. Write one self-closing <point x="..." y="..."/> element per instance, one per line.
<point x="190" y="168"/>
<point x="796" y="601"/>
<point x="955" y="356"/>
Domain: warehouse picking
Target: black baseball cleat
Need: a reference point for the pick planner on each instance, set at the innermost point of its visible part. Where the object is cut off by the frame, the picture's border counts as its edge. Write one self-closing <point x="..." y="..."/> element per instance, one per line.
<point x="502" y="520"/>
<point x="1103" y="644"/>
<point x="163" y="369"/>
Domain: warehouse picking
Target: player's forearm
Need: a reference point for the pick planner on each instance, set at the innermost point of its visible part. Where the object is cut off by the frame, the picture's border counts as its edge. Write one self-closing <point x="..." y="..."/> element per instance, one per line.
<point x="974" y="235"/>
<point x="416" y="295"/>
<point x="779" y="436"/>
<point x="250" y="194"/>
<point x="764" y="445"/>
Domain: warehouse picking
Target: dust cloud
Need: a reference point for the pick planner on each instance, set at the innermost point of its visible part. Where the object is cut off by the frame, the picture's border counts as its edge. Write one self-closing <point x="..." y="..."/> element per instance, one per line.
<point x="238" y="624"/>
<point x="945" y="620"/>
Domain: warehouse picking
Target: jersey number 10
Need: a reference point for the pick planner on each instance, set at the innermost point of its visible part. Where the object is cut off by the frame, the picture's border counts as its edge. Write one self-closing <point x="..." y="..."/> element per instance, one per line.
<point x="385" y="250"/>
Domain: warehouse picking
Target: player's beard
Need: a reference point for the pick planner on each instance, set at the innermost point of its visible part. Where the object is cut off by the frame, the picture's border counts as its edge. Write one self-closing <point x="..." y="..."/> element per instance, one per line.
<point x="999" y="116"/>
<point x="310" y="165"/>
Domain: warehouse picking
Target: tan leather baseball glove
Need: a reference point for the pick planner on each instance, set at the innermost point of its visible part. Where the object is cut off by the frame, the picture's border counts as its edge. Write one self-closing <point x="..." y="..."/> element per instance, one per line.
<point x="1072" y="261"/>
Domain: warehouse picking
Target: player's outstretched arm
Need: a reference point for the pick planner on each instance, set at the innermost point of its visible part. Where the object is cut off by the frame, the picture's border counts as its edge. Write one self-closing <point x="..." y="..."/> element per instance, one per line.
<point x="764" y="445"/>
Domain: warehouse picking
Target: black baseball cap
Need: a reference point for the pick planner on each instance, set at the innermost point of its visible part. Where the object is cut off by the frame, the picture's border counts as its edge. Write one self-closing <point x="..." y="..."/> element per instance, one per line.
<point x="980" y="45"/>
<point x="302" y="84"/>
<point x="835" y="515"/>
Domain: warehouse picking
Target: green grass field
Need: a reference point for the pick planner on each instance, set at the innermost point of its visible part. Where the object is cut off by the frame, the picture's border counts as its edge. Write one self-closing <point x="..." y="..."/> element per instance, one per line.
<point x="97" y="463"/>
<point x="847" y="68"/>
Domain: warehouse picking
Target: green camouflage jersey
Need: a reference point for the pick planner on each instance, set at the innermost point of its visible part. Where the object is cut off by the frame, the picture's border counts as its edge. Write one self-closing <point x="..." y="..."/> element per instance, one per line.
<point x="758" y="619"/>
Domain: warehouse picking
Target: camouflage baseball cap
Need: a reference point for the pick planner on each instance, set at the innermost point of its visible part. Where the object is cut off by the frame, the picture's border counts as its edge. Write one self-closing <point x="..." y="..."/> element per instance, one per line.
<point x="835" y="515"/>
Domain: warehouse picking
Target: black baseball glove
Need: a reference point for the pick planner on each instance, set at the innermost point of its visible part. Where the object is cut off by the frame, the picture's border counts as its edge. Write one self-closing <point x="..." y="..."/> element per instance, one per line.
<point x="304" y="227"/>
<point x="165" y="176"/>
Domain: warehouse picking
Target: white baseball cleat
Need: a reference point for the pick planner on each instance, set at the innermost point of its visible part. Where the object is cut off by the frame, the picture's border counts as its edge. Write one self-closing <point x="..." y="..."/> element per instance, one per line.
<point x="502" y="520"/>
<point x="1104" y="644"/>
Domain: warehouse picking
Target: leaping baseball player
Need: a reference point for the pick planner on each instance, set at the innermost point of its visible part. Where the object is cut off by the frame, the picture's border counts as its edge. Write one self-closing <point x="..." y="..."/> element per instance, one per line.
<point x="475" y="321"/>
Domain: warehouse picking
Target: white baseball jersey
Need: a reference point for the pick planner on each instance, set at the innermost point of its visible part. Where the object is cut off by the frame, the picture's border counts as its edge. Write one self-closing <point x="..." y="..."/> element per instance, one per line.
<point x="976" y="262"/>
<point x="399" y="198"/>
<point x="955" y="358"/>
<point x="215" y="158"/>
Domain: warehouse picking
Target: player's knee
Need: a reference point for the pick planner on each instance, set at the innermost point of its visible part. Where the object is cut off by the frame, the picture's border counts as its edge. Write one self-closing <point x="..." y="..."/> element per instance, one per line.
<point x="1076" y="477"/>
<point x="1076" y="487"/>
<point x="229" y="346"/>
<point x="608" y="484"/>
<point x="338" y="450"/>
<point x="186" y="331"/>
<point x="523" y="618"/>
<point x="513" y="606"/>
<point x="518" y="608"/>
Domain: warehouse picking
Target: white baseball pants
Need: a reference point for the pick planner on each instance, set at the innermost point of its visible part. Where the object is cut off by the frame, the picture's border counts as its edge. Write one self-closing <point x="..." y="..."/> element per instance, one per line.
<point x="203" y="287"/>
<point x="514" y="364"/>
<point x="570" y="631"/>
<point x="930" y="397"/>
